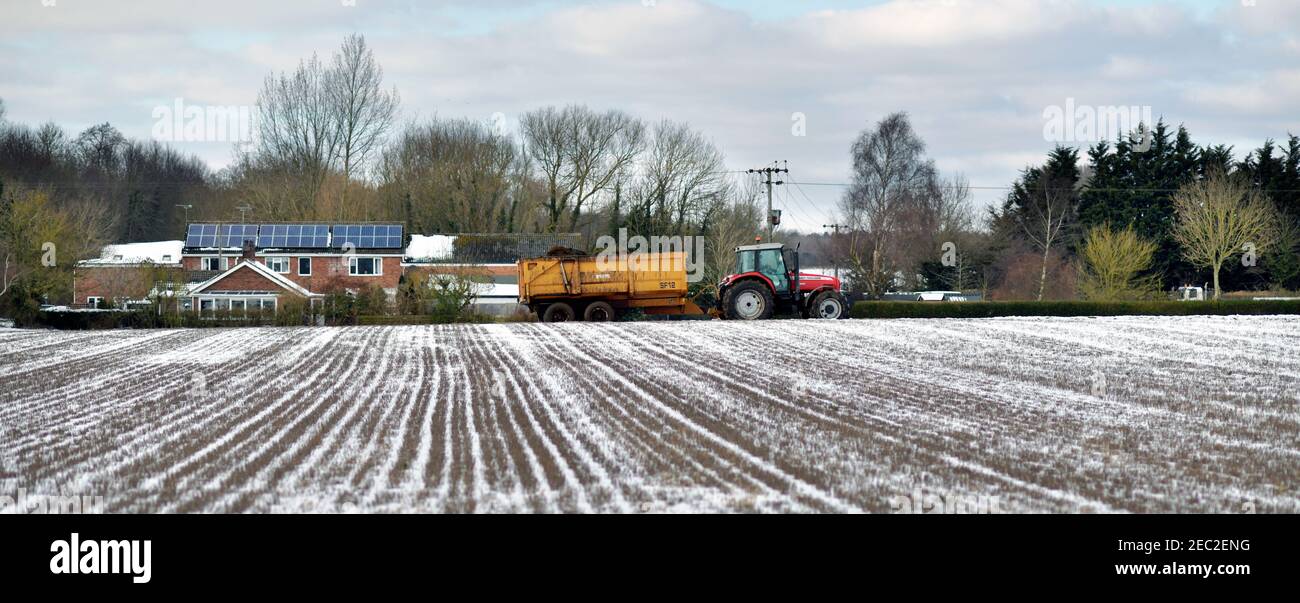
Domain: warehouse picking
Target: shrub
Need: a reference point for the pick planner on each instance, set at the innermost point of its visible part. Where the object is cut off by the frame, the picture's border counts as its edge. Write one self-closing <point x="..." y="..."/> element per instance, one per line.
<point x="1113" y="263"/>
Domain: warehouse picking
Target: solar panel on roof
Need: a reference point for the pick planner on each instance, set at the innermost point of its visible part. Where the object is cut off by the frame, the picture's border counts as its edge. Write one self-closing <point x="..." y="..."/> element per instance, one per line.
<point x="201" y="235"/>
<point x="234" y="235"/>
<point x="368" y="236"/>
<point x="293" y="235"/>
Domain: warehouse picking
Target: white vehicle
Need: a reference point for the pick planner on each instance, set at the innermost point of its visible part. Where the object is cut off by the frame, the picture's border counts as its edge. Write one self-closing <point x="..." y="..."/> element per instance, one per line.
<point x="1189" y="293"/>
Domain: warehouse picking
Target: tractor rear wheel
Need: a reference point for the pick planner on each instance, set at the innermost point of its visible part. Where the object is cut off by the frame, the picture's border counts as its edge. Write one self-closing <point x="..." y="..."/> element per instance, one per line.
<point x="829" y="305"/>
<point x="560" y="312"/>
<point x="598" y="312"/>
<point x="749" y="300"/>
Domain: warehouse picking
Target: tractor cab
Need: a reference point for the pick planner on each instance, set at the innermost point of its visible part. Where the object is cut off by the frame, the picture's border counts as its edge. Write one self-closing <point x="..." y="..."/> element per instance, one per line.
<point x="772" y="261"/>
<point x="767" y="281"/>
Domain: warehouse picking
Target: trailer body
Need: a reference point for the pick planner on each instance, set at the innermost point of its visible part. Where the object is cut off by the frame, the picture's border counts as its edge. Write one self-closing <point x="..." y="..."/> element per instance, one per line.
<point x="653" y="282"/>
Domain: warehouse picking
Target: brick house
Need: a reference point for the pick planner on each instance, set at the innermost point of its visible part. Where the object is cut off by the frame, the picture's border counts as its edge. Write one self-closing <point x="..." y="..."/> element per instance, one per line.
<point x="128" y="274"/>
<point x="315" y="259"/>
<point x="247" y="286"/>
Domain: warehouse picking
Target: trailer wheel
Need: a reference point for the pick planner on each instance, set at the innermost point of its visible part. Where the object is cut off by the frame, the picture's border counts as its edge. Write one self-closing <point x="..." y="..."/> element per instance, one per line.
<point x="560" y="312"/>
<point x="749" y="300"/>
<point x="598" y="312"/>
<point x="829" y="305"/>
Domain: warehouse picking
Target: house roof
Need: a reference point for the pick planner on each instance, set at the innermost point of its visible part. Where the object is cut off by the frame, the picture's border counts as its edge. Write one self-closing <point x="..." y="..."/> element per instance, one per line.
<point x="259" y="268"/>
<point x="427" y="248"/>
<point x="134" y="254"/>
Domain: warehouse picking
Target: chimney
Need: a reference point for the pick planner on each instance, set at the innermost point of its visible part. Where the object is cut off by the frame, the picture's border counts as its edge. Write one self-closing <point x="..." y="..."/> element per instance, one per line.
<point x="249" y="252"/>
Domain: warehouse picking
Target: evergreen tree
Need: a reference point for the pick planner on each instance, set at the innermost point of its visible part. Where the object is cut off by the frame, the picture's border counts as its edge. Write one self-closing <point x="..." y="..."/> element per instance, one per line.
<point x="1276" y="172"/>
<point x="1132" y="188"/>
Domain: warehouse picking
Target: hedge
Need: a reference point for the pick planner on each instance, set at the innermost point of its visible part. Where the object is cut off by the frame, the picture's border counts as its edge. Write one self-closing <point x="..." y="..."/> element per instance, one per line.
<point x="890" y="309"/>
<point x="90" y="320"/>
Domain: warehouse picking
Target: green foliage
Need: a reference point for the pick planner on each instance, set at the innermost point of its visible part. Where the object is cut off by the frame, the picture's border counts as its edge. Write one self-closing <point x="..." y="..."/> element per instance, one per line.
<point x="1113" y="263"/>
<point x="340" y="308"/>
<point x="450" y="296"/>
<point x="372" y="301"/>
<point x="1134" y="187"/>
<point x="19" y="304"/>
<point x="1068" y="308"/>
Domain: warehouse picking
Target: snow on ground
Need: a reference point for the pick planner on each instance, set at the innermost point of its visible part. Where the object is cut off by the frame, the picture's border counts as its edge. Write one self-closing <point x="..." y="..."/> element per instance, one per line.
<point x="1125" y="414"/>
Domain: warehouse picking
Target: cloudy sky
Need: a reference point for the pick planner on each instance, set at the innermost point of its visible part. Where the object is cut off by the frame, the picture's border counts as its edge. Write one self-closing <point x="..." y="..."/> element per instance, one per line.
<point x="976" y="75"/>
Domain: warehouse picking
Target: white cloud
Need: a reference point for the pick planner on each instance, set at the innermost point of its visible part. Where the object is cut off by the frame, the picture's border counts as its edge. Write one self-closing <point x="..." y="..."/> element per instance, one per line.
<point x="974" y="74"/>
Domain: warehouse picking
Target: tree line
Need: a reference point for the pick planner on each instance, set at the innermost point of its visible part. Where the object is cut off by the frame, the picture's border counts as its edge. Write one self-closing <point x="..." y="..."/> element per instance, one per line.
<point x="1118" y="223"/>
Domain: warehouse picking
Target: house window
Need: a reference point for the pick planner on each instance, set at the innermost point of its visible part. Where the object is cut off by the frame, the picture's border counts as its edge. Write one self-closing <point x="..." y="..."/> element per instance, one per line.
<point x="304" y="266"/>
<point x="268" y="305"/>
<point x="212" y="263"/>
<point x="206" y="306"/>
<point x="280" y="265"/>
<point x="93" y="302"/>
<point x="365" y="266"/>
<point x="237" y="307"/>
<point x="167" y="259"/>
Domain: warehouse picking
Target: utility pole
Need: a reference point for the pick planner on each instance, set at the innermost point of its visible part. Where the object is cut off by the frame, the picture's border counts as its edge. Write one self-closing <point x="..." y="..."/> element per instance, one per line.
<point x="834" y="257"/>
<point x="773" y="217"/>
<point x="187" y="215"/>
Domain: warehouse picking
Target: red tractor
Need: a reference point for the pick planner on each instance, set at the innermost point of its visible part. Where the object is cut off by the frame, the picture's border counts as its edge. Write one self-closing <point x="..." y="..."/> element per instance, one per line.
<point x="767" y="281"/>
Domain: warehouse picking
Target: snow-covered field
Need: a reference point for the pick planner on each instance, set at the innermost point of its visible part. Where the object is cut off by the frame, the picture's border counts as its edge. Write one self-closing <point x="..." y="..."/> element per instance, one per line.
<point x="1188" y="414"/>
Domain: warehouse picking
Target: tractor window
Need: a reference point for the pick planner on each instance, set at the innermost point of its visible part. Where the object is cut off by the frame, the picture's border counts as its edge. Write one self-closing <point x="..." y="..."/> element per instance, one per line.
<point x="744" y="262"/>
<point x="772" y="265"/>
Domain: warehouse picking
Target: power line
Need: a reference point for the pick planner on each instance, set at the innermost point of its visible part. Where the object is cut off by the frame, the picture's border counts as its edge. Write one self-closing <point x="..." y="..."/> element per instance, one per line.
<point x="1011" y="187"/>
<point x="828" y="213"/>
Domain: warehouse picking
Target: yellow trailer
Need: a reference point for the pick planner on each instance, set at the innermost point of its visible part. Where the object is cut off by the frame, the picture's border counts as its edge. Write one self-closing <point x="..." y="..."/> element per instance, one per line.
<point x="597" y="288"/>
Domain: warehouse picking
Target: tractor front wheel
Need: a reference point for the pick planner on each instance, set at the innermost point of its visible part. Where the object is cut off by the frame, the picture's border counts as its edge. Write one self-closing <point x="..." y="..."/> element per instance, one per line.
<point x="747" y="301"/>
<point x="829" y="305"/>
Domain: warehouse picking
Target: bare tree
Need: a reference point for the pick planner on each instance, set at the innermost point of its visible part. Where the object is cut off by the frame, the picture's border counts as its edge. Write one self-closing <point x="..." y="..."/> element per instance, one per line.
<point x="580" y="154"/>
<point x="101" y="146"/>
<point x="453" y="176"/>
<point x="683" y="174"/>
<point x="1220" y="218"/>
<point x="1048" y="210"/>
<point x="729" y="223"/>
<point x="889" y="173"/>
<point x="363" y="110"/>
<point x="298" y="133"/>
